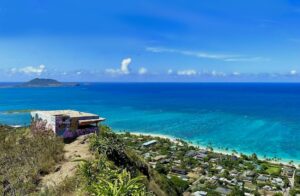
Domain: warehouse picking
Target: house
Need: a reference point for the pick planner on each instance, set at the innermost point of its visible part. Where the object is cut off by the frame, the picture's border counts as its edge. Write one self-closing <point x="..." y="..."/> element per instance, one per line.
<point x="65" y="123"/>
<point x="199" y="193"/>
<point x="278" y="181"/>
<point x="191" y="153"/>
<point x="234" y="158"/>
<point x="159" y="157"/>
<point x="262" y="179"/>
<point x="267" y="188"/>
<point x="179" y="171"/>
<point x="223" y="191"/>
<point x="249" y="173"/>
<point x="165" y="161"/>
<point x="149" y="143"/>
<point x="200" y="156"/>
<point x="288" y="171"/>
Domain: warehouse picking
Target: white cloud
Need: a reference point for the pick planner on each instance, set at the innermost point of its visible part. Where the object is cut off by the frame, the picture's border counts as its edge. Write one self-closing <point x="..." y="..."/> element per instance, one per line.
<point x="293" y="72"/>
<point x="78" y="73"/>
<point x="124" y="68"/>
<point x="169" y="71"/>
<point x="187" y="72"/>
<point x="207" y="55"/>
<point x="14" y="70"/>
<point x="38" y="70"/>
<point x="143" y="71"/>
<point x="235" y="73"/>
<point x="215" y="73"/>
<point x="125" y="65"/>
<point x="249" y="59"/>
<point x="197" y="54"/>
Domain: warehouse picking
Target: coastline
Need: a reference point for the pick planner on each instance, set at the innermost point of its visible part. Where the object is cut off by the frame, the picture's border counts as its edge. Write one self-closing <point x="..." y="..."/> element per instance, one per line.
<point x="173" y="139"/>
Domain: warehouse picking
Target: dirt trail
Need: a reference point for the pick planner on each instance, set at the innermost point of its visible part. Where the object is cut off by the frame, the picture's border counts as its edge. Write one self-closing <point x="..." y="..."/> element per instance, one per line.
<point x="79" y="149"/>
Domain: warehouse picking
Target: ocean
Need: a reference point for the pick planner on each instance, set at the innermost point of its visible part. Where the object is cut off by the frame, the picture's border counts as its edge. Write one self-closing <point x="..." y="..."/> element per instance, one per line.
<point x="261" y="118"/>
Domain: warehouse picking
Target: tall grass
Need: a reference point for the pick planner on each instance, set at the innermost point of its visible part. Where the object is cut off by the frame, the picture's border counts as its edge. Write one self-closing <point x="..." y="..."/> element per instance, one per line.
<point x="24" y="158"/>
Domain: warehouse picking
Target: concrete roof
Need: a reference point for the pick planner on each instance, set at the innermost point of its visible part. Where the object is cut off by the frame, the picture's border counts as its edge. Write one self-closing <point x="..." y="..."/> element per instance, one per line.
<point x="71" y="113"/>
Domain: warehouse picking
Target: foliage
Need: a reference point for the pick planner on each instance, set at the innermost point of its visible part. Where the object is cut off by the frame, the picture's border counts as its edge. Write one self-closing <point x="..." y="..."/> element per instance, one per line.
<point x="113" y="147"/>
<point x="24" y="157"/>
<point x="103" y="178"/>
<point x="270" y="169"/>
<point x="160" y="168"/>
<point x="294" y="192"/>
<point x="236" y="192"/>
<point x="180" y="184"/>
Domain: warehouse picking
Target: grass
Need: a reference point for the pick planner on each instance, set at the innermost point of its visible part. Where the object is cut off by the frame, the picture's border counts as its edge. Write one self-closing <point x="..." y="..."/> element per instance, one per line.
<point x="274" y="170"/>
<point x="24" y="158"/>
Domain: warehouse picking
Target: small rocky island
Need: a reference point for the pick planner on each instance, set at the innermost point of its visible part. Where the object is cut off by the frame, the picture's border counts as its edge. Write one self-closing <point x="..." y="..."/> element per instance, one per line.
<point x="42" y="82"/>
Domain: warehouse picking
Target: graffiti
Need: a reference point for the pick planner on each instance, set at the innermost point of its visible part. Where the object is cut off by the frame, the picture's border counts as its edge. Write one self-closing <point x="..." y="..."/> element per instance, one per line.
<point x="78" y="132"/>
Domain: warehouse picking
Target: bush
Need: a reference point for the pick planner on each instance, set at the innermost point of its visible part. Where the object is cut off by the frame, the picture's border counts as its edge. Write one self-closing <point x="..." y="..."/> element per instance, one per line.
<point x="180" y="185"/>
<point x="103" y="178"/>
<point x="24" y="158"/>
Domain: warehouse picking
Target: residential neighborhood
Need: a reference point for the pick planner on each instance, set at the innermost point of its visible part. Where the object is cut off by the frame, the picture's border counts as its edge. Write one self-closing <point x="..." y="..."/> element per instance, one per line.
<point x="204" y="172"/>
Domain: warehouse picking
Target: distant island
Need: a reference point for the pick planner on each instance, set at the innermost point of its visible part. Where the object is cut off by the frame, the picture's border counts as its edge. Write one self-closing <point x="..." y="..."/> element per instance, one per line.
<point x="42" y="82"/>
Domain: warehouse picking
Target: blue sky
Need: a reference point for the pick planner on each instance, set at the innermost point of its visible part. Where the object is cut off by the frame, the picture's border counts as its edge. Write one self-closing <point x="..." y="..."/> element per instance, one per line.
<point x="188" y="41"/>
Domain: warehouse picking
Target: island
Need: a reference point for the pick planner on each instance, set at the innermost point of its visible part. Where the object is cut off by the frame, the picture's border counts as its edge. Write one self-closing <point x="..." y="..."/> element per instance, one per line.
<point x="44" y="82"/>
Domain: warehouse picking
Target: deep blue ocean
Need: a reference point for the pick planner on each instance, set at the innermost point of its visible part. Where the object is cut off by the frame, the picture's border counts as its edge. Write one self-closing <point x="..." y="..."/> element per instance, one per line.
<point x="253" y="117"/>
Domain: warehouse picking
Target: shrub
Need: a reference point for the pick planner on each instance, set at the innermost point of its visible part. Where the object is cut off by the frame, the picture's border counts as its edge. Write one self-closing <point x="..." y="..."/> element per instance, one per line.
<point x="103" y="178"/>
<point x="24" y="157"/>
<point x="180" y="185"/>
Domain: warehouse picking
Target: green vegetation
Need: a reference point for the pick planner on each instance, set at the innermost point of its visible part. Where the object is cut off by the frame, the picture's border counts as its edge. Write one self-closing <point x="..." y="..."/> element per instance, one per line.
<point x="113" y="147"/>
<point x="271" y="169"/>
<point x="24" y="158"/>
<point x="180" y="185"/>
<point x="123" y="165"/>
<point x="102" y="177"/>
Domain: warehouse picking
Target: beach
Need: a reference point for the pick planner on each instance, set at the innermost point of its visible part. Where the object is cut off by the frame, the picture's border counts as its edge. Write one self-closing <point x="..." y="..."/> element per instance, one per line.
<point x="175" y="140"/>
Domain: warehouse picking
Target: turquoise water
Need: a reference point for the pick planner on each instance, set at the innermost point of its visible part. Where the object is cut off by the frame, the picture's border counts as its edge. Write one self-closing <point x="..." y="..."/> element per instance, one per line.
<point x="260" y="118"/>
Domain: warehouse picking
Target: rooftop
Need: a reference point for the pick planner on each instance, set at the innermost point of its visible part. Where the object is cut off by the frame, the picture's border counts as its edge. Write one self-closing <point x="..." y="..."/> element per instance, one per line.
<point x="71" y="113"/>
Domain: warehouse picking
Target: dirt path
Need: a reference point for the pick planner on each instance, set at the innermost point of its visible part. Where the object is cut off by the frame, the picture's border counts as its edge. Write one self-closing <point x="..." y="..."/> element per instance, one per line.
<point x="79" y="149"/>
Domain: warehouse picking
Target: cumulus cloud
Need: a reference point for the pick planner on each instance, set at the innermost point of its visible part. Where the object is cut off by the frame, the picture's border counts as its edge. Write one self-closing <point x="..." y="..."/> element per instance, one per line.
<point x="38" y="70"/>
<point x="124" y="68"/>
<point x="187" y="72"/>
<point x="125" y="65"/>
<point x="142" y="71"/>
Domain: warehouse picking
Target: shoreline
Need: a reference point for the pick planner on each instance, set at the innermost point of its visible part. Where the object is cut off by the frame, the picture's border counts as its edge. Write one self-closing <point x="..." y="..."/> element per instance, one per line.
<point x="173" y="139"/>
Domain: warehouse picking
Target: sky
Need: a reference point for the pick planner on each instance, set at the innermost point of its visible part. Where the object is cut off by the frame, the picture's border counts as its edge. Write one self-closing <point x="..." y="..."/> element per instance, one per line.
<point x="150" y="41"/>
